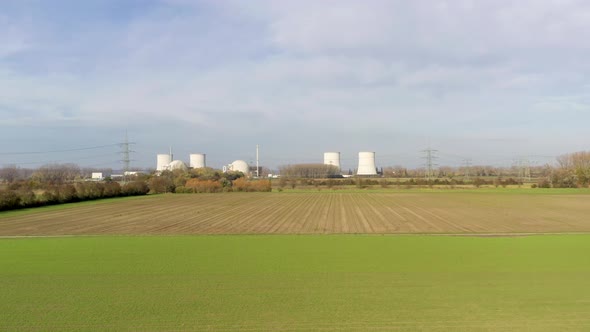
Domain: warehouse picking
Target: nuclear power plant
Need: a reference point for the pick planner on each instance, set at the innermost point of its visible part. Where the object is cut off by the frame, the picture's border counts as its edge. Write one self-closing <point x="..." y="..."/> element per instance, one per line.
<point x="164" y="162"/>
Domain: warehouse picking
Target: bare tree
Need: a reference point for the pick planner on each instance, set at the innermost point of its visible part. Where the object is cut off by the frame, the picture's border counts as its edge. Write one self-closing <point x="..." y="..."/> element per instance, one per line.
<point x="56" y="173"/>
<point x="308" y="171"/>
<point x="9" y="173"/>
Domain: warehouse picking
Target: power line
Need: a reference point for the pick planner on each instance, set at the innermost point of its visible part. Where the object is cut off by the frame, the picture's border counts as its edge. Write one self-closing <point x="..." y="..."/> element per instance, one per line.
<point x="58" y="151"/>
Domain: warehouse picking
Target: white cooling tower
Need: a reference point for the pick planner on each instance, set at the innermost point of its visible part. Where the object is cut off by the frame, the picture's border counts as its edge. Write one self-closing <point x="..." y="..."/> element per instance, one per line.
<point x="197" y="160"/>
<point x="332" y="158"/>
<point x="367" y="164"/>
<point x="162" y="161"/>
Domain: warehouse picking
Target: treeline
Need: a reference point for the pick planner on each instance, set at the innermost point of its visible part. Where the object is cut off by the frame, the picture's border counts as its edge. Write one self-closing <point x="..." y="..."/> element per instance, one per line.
<point x="573" y="171"/>
<point x="50" y="174"/>
<point x="385" y="182"/>
<point x="476" y="171"/>
<point x="205" y="180"/>
<point x="313" y="171"/>
<point x="23" y="195"/>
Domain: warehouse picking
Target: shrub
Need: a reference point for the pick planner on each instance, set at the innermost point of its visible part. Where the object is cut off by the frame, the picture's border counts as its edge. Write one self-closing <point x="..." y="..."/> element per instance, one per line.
<point x="261" y="185"/>
<point x="112" y="189"/>
<point x="9" y="200"/>
<point x="240" y="184"/>
<point x="161" y="184"/>
<point x="135" y="188"/>
<point x="183" y="190"/>
<point x="27" y="198"/>
<point x="68" y="193"/>
<point x="203" y="186"/>
<point x="544" y="183"/>
<point x="49" y="196"/>
<point x="477" y="182"/>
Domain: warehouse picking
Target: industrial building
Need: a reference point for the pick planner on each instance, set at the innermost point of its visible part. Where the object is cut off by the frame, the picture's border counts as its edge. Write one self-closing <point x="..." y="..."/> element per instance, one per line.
<point x="164" y="162"/>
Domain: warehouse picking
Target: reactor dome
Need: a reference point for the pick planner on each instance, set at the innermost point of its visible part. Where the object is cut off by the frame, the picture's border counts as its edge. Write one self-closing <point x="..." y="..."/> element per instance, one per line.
<point x="177" y="164"/>
<point x="240" y="166"/>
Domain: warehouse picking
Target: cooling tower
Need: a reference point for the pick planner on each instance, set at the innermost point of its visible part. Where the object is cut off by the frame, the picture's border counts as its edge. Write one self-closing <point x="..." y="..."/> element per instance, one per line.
<point x="197" y="160"/>
<point x="367" y="164"/>
<point x="163" y="161"/>
<point x="332" y="158"/>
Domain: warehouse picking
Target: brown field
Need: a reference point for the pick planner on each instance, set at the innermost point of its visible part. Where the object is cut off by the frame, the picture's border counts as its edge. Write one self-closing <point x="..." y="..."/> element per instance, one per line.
<point x="309" y="213"/>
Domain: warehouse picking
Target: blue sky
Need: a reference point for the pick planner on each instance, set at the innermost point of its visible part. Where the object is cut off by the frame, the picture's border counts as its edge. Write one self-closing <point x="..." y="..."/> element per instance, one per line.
<point x="485" y="80"/>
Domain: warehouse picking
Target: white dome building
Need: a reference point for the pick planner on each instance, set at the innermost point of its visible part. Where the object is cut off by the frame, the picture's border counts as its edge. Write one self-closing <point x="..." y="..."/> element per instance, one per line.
<point x="239" y="166"/>
<point x="177" y="164"/>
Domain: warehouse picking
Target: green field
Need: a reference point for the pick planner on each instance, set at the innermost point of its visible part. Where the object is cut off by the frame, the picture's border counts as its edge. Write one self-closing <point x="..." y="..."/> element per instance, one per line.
<point x="296" y="282"/>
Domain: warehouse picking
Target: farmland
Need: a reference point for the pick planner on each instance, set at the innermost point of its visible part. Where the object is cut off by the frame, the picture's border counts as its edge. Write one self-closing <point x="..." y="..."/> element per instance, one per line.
<point x="296" y="283"/>
<point x="308" y="212"/>
<point x="301" y="260"/>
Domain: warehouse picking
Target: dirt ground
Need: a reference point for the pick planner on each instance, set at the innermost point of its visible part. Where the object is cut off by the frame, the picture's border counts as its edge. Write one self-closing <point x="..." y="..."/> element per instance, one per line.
<point x="309" y="213"/>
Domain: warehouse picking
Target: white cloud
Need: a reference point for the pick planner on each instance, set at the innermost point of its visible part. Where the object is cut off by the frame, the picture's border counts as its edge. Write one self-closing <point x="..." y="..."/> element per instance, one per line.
<point x="321" y="67"/>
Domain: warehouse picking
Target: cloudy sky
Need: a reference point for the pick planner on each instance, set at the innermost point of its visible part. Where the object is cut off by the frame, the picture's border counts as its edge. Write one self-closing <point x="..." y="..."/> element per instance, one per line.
<point x="485" y="80"/>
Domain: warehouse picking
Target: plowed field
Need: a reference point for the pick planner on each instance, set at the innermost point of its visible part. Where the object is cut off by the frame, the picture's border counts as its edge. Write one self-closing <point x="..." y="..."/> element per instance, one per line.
<point x="309" y="213"/>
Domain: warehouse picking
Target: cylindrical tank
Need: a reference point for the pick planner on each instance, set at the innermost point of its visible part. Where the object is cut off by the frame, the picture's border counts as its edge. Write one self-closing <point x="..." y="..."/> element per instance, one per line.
<point x="366" y="164"/>
<point x="162" y="161"/>
<point x="332" y="158"/>
<point x="240" y="166"/>
<point x="197" y="160"/>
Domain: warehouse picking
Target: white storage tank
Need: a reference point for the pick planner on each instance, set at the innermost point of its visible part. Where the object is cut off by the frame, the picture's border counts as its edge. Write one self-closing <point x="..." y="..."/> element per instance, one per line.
<point x="332" y="158"/>
<point x="197" y="160"/>
<point x="163" y="160"/>
<point x="367" y="164"/>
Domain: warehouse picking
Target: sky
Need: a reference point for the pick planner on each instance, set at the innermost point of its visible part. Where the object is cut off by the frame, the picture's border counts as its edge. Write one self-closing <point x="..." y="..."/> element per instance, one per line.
<point x="491" y="81"/>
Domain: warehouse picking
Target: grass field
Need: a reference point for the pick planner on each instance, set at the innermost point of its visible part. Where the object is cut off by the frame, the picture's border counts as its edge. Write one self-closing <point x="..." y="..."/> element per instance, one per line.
<point x="305" y="282"/>
<point x="377" y="212"/>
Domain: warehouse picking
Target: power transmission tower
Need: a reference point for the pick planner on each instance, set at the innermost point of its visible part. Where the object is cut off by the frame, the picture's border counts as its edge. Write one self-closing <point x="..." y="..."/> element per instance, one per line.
<point x="467" y="165"/>
<point x="524" y="169"/>
<point x="430" y="156"/>
<point x="257" y="165"/>
<point x="126" y="156"/>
